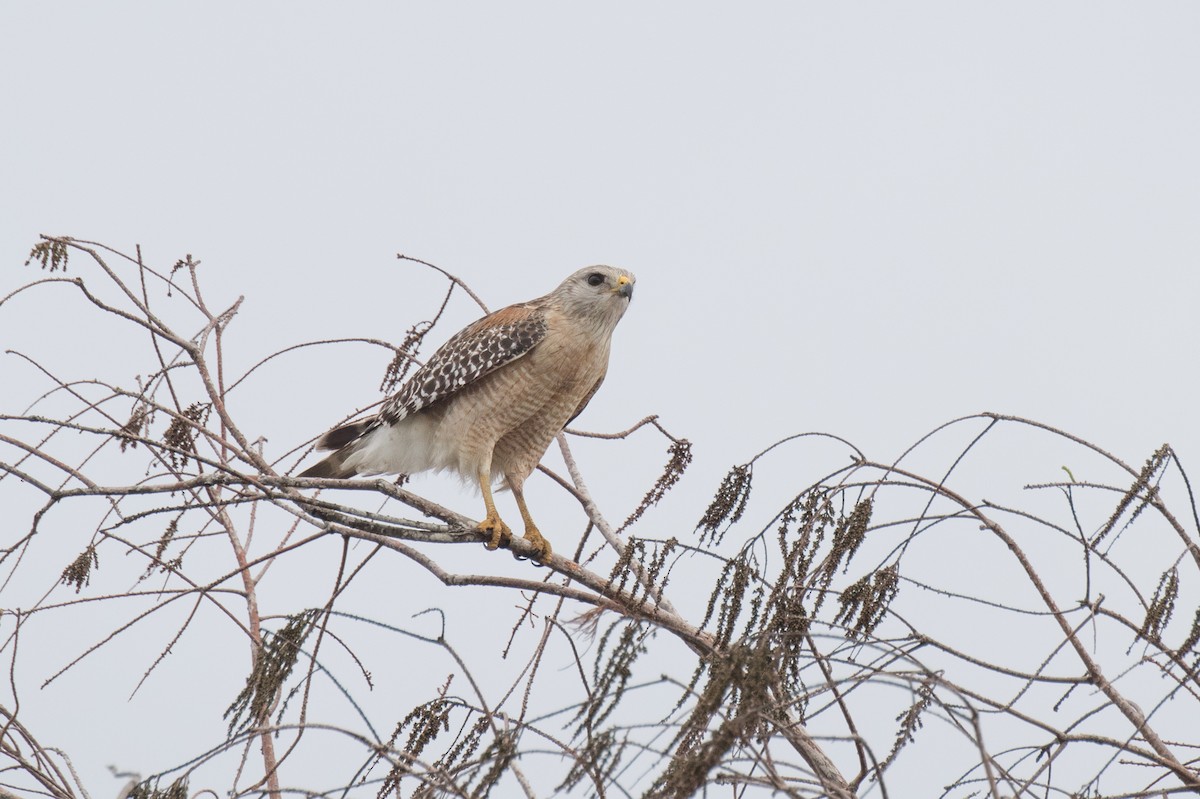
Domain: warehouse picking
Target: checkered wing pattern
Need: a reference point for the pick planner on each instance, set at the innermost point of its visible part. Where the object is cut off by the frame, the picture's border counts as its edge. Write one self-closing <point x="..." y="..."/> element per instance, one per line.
<point x="476" y="350"/>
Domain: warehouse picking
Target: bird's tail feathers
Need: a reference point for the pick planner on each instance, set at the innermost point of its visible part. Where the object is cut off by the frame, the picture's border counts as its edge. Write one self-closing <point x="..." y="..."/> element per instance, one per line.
<point x="408" y="447"/>
<point x="339" y="437"/>
<point x="334" y="466"/>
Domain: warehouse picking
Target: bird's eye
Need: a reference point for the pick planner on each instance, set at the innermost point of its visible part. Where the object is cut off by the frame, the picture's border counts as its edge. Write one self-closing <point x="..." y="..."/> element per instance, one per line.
<point x="595" y="279"/>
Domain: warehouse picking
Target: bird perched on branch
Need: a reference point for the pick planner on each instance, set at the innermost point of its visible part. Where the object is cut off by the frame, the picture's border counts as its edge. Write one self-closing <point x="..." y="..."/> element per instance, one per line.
<point x="490" y="401"/>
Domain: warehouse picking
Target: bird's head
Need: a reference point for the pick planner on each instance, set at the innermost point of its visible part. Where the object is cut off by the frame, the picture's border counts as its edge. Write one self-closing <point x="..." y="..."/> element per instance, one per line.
<point x="601" y="292"/>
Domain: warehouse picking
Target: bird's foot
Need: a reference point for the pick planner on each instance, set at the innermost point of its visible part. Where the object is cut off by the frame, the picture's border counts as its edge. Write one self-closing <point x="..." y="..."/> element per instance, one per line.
<point x="535" y="537"/>
<point x="497" y="531"/>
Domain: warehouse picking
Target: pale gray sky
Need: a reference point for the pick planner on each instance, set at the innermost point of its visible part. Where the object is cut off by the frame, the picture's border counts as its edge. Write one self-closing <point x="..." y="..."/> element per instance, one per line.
<point x="863" y="218"/>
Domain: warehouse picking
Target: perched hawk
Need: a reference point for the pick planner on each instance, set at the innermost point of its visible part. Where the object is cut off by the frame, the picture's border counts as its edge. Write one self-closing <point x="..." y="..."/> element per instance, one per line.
<point x="490" y="401"/>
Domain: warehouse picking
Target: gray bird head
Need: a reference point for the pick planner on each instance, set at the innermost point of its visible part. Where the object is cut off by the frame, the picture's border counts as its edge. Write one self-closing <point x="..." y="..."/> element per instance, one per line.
<point x="601" y="293"/>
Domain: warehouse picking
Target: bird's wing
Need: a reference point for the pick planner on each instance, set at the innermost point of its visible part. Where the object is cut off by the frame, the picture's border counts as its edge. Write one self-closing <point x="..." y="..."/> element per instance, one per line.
<point x="478" y="349"/>
<point x="587" y="397"/>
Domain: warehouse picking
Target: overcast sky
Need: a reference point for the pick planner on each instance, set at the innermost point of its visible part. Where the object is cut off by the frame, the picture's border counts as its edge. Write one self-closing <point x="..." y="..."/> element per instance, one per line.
<point x="859" y="218"/>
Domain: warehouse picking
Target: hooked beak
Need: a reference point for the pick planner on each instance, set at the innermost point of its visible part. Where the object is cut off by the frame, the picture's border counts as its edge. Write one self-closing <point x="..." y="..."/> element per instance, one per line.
<point x="624" y="287"/>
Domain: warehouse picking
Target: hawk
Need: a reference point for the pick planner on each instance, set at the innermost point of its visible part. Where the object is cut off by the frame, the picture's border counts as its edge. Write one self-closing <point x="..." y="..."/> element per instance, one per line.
<point x="493" y="397"/>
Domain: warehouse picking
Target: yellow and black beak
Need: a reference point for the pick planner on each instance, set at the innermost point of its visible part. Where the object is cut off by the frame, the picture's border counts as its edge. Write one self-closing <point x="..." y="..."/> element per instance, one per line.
<point x="624" y="286"/>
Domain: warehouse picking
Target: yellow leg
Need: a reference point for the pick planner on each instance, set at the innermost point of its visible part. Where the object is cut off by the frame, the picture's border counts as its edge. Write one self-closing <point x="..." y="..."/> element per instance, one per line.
<point x="492" y="525"/>
<point x="532" y="534"/>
